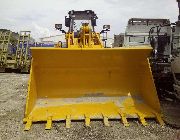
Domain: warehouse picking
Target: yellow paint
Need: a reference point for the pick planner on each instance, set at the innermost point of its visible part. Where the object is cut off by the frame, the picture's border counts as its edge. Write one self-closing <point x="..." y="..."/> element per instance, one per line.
<point x="86" y="39"/>
<point x="124" y="119"/>
<point x="86" y="81"/>
<point x="28" y="124"/>
<point x="49" y="123"/>
<point x="87" y="121"/>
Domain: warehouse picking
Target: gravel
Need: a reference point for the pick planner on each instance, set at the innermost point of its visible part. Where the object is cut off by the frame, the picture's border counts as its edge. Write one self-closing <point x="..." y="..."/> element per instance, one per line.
<point x="13" y="90"/>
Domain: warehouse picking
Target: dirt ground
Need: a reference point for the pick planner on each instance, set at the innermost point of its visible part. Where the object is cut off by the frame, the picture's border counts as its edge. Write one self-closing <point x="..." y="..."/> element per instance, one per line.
<point x="13" y="90"/>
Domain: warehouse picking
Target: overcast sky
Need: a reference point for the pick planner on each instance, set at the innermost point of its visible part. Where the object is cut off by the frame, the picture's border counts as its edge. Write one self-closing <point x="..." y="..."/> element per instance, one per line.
<point x="39" y="16"/>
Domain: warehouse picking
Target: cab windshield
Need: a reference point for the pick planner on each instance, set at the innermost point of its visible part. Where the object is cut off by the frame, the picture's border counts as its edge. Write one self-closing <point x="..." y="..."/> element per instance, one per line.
<point x="78" y="23"/>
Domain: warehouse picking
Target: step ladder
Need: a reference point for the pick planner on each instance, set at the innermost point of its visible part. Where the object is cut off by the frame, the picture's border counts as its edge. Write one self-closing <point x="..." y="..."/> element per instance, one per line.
<point x="22" y="53"/>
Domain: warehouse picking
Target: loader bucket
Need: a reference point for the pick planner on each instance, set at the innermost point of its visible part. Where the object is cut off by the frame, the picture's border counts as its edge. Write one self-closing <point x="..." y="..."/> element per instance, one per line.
<point x="86" y="84"/>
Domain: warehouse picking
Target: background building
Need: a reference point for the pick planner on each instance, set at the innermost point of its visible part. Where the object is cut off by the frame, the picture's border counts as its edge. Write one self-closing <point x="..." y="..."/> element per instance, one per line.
<point x="53" y="39"/>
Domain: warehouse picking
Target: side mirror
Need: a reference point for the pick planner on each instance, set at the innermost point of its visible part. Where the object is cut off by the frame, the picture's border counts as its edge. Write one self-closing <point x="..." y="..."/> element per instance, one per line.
<point x="67" y="22"/>
<point x="58" y="26"/>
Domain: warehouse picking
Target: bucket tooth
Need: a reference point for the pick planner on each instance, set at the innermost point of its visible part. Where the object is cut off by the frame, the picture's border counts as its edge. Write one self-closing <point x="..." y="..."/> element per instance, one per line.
<point x="142" y="119"/>
<point x="28" y="125"/>
<point x="68" y="121"/>
<point x="87" y="121"/>
<point x="105" y="120"/>
<point x="159" y="119"/>
<point x="124" y="119"/>
<point x="49" y="123"/>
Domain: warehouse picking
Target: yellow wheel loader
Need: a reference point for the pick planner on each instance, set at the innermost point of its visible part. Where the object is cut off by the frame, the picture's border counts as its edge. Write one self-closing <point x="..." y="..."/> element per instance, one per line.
<point x="87" y="81"/>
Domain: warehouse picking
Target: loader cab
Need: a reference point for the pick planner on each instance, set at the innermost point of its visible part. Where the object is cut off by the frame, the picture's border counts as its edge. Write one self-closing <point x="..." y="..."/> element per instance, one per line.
<point x="77" y="19"/>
